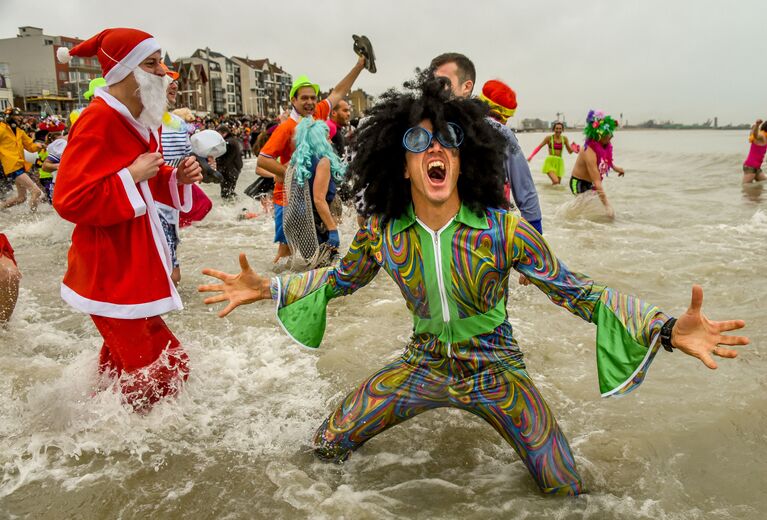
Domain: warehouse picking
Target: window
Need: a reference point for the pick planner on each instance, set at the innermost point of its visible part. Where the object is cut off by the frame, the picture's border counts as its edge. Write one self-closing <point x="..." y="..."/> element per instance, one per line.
<point x="230" y="88"/>
<point x="63" y="76"/>
<point x="48" y="42"/>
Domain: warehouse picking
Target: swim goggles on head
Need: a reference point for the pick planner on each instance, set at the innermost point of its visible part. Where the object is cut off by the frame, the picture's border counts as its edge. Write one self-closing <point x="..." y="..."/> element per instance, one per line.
<point x="418" y="139"/>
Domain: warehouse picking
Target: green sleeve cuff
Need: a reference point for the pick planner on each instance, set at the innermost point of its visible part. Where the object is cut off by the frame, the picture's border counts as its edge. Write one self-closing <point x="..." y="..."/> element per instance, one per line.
<point x="304" y="320"/>
<point x="622" y="362"/>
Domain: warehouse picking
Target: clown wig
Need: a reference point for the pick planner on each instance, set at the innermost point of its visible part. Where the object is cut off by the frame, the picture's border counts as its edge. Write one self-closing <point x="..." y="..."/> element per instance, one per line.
<point x="312" y="144"/>
<point x="378" y="166"/>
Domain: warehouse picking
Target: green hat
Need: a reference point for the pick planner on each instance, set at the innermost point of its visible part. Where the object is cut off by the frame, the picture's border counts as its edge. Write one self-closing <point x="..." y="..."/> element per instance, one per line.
<point x="93" y="85"/>
<point x="303" y="81"/>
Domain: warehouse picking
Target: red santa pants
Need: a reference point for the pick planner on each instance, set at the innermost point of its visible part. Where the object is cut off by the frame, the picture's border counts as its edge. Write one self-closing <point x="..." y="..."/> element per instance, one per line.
<point x="145" y="356"/>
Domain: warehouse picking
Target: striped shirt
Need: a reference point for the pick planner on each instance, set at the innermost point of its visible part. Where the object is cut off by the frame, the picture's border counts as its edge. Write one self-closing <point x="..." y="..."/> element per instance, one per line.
<point x="175" y="147"/>
<point x="175" y="141"/>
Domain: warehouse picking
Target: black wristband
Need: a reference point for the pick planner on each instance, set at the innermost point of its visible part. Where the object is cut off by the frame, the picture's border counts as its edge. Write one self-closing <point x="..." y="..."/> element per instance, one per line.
<point x="665" y="334"/>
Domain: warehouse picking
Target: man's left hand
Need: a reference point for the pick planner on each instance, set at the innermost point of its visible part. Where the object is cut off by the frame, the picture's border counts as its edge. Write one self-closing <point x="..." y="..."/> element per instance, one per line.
<point x="697" y="336"/>
<point x="188" y="171"/>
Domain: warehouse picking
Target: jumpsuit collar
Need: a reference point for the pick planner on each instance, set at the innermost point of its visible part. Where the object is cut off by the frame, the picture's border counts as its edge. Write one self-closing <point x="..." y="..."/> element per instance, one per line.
<point x="465" y="216"/>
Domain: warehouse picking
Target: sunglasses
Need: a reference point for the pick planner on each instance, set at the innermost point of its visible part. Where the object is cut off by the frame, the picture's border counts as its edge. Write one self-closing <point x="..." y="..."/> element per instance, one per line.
<point x="418" y="139"/>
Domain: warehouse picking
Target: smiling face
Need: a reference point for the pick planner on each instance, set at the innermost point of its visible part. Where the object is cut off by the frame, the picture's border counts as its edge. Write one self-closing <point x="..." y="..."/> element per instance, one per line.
<point x="433" y="173"/>
<point x="305" y="101"/>
<point x="172" y="92"/>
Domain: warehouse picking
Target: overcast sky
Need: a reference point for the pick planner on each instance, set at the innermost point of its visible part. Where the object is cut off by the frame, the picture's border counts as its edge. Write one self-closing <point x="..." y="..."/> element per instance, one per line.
<point x="682" y="60"/>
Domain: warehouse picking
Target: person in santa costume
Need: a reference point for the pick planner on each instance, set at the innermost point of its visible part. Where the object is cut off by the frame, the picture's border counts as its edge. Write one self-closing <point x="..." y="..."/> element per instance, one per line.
<point x="110" y="179"/>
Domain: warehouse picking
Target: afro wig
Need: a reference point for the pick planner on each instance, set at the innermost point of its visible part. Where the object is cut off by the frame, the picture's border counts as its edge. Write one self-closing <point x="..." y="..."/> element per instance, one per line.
<point x="378" y="166"/>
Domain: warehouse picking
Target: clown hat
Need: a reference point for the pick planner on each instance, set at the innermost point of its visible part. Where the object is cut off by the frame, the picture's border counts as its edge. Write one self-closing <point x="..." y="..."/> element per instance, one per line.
<point x="119" y="51"/>
<point x="93" y="85"/>
<point x="303" y="81"/>
<point x="500" y="97"/>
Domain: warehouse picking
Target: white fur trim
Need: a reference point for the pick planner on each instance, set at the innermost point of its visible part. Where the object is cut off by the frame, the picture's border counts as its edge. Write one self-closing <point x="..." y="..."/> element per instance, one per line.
<point x="62" y="54"/>
<point x="123" y="110"/>
<point x="160" y="242"/>
<point x="116" y="310"/>
<point x="133" y="59"/>
<point x="173" y="187"/>
<point x="139" y="206"/>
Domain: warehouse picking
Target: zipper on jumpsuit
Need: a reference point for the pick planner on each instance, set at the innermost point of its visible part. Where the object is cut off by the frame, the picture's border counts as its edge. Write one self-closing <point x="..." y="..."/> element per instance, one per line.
<point x="440" y="281"/>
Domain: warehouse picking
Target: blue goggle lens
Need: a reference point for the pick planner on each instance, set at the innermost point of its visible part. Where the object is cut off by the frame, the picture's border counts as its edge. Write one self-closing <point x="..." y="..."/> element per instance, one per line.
<point x="418" y="139"/>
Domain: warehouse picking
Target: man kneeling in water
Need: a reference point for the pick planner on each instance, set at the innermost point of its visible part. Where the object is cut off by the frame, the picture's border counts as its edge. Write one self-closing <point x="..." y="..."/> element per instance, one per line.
<point x="437" y="225"/>
<point x="596" y="158"/>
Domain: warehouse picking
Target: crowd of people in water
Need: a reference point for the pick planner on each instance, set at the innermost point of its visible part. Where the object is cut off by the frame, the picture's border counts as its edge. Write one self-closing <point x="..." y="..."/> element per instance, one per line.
<point x="446" y="205"/>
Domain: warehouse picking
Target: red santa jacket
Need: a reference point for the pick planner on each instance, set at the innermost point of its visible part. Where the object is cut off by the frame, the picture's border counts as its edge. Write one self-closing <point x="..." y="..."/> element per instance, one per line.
<point x="119" y="263"/>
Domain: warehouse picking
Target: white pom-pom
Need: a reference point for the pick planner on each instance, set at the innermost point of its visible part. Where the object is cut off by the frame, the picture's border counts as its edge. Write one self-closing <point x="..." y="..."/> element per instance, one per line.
<point x="62" y="53"/>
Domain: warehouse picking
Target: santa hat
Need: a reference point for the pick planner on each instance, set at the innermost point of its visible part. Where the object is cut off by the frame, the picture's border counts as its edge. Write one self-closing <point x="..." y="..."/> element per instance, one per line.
<point x="119" y="51"/>
<point x="500" y="97"/>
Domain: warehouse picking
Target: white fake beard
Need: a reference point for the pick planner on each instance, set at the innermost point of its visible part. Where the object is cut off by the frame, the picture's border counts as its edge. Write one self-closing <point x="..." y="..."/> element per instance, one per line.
<point x="152" y="90"/>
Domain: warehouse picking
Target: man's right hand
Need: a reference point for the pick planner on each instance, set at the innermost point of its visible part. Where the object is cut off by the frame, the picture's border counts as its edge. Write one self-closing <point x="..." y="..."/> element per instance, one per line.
<point x="145" y="166"/>
<point x="236" y="289"/>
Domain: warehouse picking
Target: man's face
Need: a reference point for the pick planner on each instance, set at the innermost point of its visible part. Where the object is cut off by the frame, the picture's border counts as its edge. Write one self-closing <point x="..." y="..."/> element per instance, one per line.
<point x="342" y="113"/>
<point x="172" y="92"/>
<point x="459" y="88"/>
<point x="433" y="173"/>
<point x="152" y="64"/>
<point x="305" y="101"/>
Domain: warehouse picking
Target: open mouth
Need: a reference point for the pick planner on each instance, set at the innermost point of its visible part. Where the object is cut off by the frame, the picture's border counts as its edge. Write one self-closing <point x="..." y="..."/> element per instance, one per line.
<point x="436" y="171"/>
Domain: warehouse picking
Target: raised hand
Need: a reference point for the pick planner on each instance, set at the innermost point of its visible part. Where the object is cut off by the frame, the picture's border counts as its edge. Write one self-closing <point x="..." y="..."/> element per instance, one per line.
<point x="237" y="289"/>
<point x="697" y="336"/>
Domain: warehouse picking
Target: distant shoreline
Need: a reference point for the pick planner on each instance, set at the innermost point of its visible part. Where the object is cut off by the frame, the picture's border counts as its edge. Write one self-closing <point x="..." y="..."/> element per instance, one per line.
<point x="637" y="128"/>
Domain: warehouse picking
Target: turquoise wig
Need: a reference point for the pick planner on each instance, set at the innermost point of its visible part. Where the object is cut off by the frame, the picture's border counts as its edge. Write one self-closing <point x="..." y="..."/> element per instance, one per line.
<point x="312" y="144"/>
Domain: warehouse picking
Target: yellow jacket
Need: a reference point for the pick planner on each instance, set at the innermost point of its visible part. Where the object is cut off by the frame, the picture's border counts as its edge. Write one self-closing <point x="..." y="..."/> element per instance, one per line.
<point x="12" y="146"/>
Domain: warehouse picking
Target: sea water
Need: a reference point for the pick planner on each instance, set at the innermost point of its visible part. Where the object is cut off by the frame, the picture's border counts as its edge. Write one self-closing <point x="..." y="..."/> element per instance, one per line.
<point x="688" y="444"/>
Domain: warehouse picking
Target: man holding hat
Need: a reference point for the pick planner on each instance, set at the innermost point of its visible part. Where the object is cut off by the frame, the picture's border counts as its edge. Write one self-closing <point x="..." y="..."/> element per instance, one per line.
<point x="110" y="179"/>
<point x="303" y="97"/>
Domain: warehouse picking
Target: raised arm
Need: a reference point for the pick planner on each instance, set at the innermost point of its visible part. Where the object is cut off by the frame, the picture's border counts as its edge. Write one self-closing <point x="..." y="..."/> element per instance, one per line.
<point x="341" y="90"/>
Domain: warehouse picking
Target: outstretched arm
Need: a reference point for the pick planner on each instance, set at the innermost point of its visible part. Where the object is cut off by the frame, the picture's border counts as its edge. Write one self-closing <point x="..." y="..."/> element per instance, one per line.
<point x="543" y="143"/>
<point x="628" y="329"/>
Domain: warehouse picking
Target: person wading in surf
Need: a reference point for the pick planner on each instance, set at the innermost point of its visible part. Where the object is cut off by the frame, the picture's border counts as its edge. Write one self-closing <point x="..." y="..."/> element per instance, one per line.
<point x="437" y="223"/>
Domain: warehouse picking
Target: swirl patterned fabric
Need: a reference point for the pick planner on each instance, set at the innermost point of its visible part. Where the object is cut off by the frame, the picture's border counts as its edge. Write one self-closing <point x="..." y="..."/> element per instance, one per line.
<point x="470" y="360"/>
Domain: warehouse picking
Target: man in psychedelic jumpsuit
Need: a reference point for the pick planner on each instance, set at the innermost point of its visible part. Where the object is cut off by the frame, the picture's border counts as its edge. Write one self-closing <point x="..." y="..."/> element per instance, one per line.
<point x="453" y="273"/>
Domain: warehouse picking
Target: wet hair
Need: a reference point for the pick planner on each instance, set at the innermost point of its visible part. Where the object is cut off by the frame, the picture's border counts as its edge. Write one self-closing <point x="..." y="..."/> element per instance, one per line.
<point x="763" y="127"/>
<point x="312" y="144"/>
<point x="466" y="70"/>
<point x="378" y="166"/>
